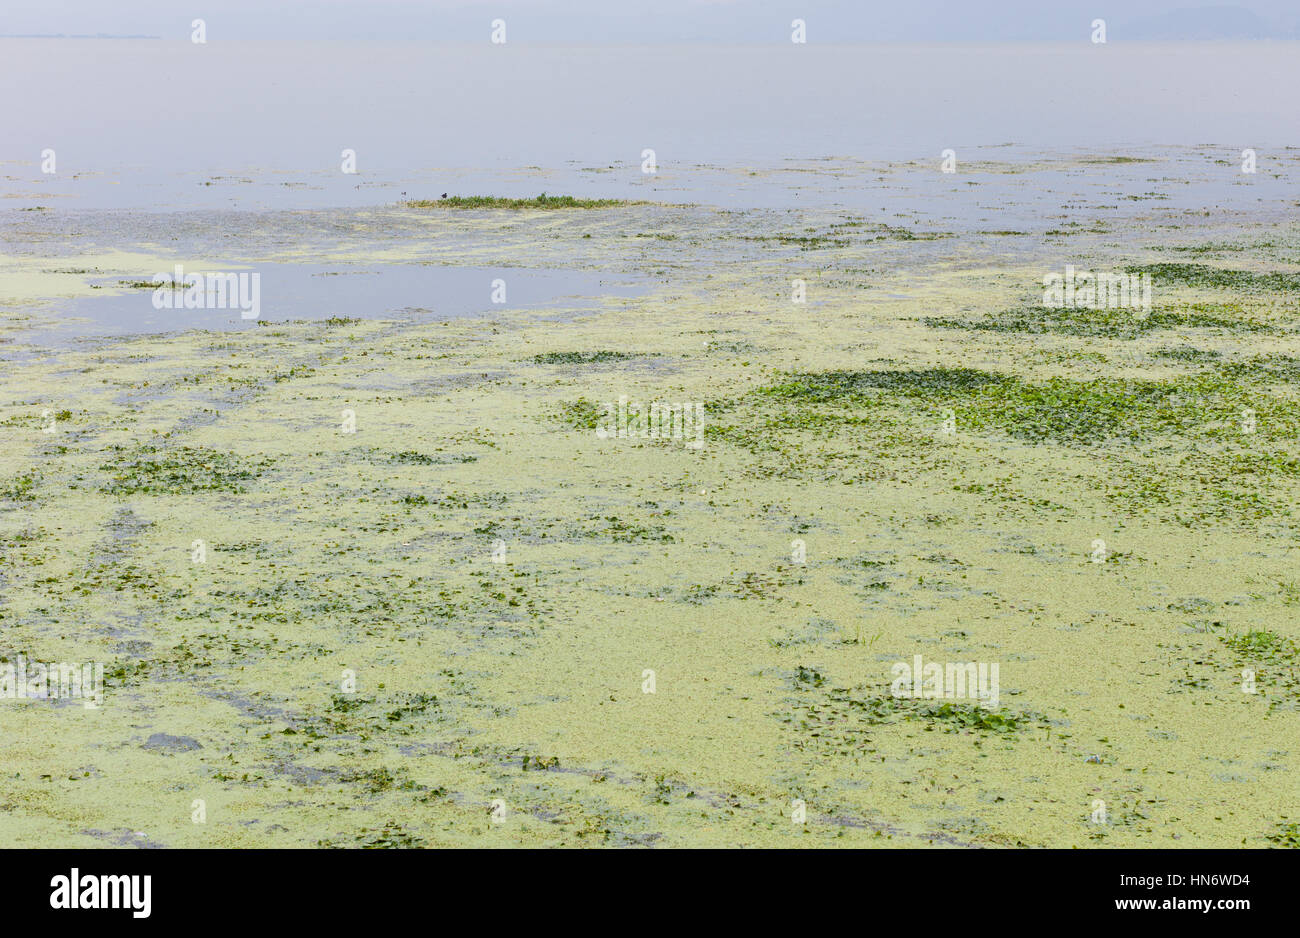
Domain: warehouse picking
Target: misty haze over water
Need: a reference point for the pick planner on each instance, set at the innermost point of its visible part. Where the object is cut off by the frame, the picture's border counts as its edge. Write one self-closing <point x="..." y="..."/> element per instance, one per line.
<point x="149" y="124"/>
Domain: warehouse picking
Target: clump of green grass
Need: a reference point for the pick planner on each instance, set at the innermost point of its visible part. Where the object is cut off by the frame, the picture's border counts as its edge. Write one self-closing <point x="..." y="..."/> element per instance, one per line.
<point x="542" y="201"/>
<point x="1262" y="645"/>
<point x="582" y="414"/>
<point x="184" y="470"/>
<point x="20" y="489"/>
<point x="809" y="676"/>
<point x="1286" y="834"/>
<point x="962" y="716"/>
<point x="348" y="703"/>
<point x="539" y="763"/>
<point x="581" y="358"/>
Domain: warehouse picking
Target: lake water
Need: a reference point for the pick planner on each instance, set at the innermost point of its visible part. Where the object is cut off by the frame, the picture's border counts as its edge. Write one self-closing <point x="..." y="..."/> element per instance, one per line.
<point x="315" y="292"/>
<point x="172" y="125"/>
<point x="198" y="141"/>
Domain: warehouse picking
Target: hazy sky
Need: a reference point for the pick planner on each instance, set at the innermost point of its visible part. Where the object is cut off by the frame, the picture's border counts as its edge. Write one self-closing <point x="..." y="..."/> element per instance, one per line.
<point x="657" y="20"/>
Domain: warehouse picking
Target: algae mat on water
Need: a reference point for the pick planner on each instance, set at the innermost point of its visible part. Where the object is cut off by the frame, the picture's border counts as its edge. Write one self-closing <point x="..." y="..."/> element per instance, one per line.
<point x="385" y="583"/>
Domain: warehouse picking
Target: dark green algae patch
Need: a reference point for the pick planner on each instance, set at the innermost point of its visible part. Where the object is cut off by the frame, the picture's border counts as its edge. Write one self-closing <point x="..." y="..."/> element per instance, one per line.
<point x="839" y="720"/>
<point x="179" y="470"/>
<point x="1214" y="444"/>
<point x="1108" y="323"/>
<point x="1056" y="410"/>
<point x="1205" y="275"/>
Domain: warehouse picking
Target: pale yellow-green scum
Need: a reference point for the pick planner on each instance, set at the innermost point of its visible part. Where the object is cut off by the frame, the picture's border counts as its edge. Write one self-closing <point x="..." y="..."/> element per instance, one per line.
<point x="522" y="682"/>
